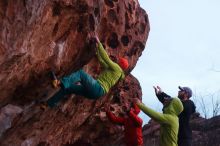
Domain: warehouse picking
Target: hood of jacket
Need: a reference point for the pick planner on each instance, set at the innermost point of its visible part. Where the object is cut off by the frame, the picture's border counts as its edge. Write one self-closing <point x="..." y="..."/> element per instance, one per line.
<point x="175" y="107"/>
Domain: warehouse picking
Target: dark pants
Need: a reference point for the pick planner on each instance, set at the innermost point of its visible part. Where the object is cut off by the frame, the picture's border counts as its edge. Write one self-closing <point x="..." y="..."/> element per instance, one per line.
<point x="185" y="142"/>
<point x="88" y="87"/>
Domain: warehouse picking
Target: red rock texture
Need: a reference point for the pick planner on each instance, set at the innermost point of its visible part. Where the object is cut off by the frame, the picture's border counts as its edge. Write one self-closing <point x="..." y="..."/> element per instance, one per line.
<point x="27" y="29"/>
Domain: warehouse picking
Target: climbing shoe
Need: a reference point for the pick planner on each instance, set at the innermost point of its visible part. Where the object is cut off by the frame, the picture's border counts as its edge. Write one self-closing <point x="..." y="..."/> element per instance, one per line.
<point x="55" y="81"/>
<point x="43" y="105"/>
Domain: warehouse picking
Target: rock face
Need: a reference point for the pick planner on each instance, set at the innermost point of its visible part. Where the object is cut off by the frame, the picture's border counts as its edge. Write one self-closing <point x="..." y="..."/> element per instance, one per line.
<point x="7" y="115"/>
<point x="206" y="132"/>
<point x="27" y="29"/>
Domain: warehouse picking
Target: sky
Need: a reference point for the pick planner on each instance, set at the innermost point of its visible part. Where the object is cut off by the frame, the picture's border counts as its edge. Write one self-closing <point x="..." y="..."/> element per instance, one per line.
<point x="183" y="49"/>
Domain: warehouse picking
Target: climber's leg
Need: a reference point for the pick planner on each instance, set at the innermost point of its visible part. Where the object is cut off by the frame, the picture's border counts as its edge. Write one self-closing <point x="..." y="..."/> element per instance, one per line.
<point x="56" y="98"/>
<point x="91" y="86"/>
<point x="67" y="81"/>
<point x="76" y="89"/>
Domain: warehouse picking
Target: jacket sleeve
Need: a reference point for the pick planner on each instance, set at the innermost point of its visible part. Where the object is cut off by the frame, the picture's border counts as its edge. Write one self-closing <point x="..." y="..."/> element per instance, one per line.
<point x="138" y="121"/>
<point x="113" y="118"/>
<point x="100" y="58"/>
<point x="161" y="96"/>
<point x="104" y="58"/>
<point x="159" y="117"/>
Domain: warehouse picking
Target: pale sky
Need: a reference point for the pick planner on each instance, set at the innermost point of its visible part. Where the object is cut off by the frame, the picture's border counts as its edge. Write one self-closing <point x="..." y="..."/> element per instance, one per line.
<point x="183" y="48"/>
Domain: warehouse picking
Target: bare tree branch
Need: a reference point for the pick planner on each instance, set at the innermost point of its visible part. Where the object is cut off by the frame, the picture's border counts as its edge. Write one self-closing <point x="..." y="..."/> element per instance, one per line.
<point x="203" y="107"/>
<point x="208" y="108"/>
<point x="215" y="106"/>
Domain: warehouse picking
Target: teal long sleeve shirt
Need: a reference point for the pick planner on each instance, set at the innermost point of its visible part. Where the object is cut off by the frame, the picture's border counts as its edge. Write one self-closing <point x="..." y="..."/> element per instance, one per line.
<point x="111" y="72"/>
<point x="168" y="120"/>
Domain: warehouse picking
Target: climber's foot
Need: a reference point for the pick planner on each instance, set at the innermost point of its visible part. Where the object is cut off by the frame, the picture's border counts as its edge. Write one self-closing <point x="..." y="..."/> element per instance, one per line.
<point x="43" y="106"/>
<point x="55" y="83"/>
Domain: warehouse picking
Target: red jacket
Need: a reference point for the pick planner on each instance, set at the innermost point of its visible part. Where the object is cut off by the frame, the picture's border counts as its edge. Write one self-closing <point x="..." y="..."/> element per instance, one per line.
<point x="132" y="125"/>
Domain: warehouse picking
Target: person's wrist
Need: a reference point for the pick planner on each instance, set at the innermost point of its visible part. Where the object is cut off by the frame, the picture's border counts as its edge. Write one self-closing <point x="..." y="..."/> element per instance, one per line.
<point x="97" y="39"/>
<point x="139" y="102"/>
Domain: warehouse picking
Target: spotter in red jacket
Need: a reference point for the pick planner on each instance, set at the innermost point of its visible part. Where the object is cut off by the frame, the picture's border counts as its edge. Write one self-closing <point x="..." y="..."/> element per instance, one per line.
<point x="132" y="126"/>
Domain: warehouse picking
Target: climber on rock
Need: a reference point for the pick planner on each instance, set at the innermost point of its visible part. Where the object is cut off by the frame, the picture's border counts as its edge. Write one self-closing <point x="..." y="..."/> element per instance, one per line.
<point x="81" y="83"/>
<point x="168" y="120"/>
<point x="131" y="122"/>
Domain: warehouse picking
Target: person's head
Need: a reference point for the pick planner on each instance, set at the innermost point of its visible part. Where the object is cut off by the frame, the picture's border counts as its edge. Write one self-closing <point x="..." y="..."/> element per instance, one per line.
<point x="126" y="108"/>
<point x="184" y="93"/>
<point x="166" y="101"/>
<point x="123" y="63"/>
<point x="131" y="106"/>
<point x="173" y="106"/>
